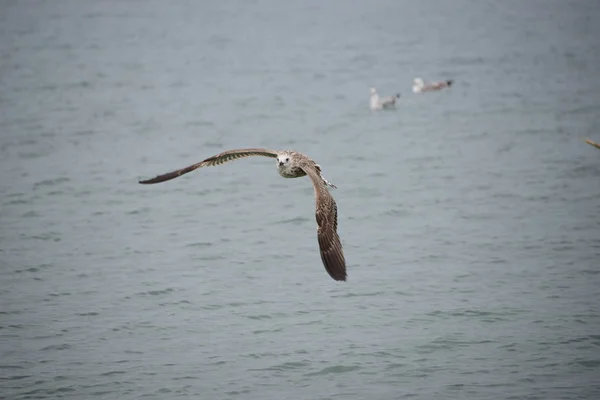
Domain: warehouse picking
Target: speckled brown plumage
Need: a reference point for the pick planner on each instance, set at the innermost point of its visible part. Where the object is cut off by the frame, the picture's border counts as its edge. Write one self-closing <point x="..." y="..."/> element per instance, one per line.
<point x="291" y="164"/>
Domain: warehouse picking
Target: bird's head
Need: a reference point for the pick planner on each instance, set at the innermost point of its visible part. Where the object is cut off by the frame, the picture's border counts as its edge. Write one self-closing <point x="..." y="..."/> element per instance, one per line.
<point x="418" y="82"/>
<point x="283" y="160"/>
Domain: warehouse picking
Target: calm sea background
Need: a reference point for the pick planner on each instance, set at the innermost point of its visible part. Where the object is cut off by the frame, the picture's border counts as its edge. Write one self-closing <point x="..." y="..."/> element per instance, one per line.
<point x="470" y="217"/>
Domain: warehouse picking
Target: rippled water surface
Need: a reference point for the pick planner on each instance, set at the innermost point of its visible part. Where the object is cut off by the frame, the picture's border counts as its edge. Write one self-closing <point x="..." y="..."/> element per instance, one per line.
<point x="469" y="217"/>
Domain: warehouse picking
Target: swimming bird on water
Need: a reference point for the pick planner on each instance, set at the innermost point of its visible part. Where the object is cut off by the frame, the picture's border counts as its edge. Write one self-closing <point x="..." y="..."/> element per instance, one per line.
<point x="291" y="164"/>
<point x="377" y="103"/>
<point x="419" y="85"/>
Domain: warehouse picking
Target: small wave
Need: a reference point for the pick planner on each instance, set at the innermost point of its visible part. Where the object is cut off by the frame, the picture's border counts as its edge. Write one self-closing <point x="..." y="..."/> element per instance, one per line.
<point x="63" y="346"/>
<point x="295" y="221"/>
<point x="111" y="373"/>
<point x="15" y="377"/>
<point x="360" y="294"/>
<point x="471" y="313"/>
<point x="31" y="155"/>
<point x="283" y="367"/>
<point x="138" y="211"/>
<point x="209" y="258"/>
<point x="396" y="212"/>
<point x="86" y="132"/>
<point x="10" y="312"/>
<point x="260" y="316"/>
<point x="51" y="236"/>
<point x="237" y="392"/>
<point x="199" y="244"/>
<point x="50" y="182"/>
<point x="87" y="314"/>
<point x="338" y="369"/>
<point x="40" y="393"/>
<point x="9" y="366"/>
<point x="395" y="366"/>
<point x="211" y="307"/>
<point x="189" y="377"/>
<point x="587" y="363"/>
<point x="50" y="336"/>
<point x="262" y="331"/>
<point x="33" y="269"/>
<point x="15" y="202"/>
<point x="59" y="294"/>
<point x="155" y="292"/>
<point x="133" y="352"/>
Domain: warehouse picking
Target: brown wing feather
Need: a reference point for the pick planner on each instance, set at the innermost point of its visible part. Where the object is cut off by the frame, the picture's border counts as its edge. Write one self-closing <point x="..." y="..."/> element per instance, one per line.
<point x="332" y="254"/>
<point x="590" y="142"/>
<point x="218" y="159"/>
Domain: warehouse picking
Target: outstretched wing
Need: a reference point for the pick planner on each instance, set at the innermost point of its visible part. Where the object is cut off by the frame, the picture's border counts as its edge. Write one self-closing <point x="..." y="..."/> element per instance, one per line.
<point x="219" y="159"/>
<point x="326" y="214"/>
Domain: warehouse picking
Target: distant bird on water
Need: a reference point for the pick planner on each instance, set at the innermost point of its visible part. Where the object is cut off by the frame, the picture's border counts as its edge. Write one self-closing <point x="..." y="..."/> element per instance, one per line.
<point x="419" y="86"/>
<point x="377" y="103"/>
<point x="291" y="164"/>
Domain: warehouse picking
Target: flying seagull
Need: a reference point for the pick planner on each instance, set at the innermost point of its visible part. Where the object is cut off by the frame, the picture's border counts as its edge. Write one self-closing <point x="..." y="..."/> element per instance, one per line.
<point x="377" y="103"/>
<point x="419" y="86"/>
<point x="291" y="164"/>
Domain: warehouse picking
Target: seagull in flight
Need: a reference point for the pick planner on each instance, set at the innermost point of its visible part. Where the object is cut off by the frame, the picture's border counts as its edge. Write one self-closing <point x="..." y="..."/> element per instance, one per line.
<point x="291" y="164"/>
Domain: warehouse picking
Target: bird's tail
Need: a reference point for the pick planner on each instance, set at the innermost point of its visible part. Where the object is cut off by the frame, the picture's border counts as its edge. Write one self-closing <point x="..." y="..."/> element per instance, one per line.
<point x="398" y="95"/>
<point x="449" y="82"/>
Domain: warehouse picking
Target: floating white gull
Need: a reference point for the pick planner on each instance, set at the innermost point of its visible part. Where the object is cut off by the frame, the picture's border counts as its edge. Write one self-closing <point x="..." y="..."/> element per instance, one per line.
<point x="419" y="86"/>
<point x="291" y="164"/>
<point x="377" y="103"/>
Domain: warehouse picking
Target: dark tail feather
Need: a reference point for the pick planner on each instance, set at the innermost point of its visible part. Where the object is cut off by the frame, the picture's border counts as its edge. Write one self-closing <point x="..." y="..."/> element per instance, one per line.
<point x="449" y="82"/>
<point x="398" y="95"/>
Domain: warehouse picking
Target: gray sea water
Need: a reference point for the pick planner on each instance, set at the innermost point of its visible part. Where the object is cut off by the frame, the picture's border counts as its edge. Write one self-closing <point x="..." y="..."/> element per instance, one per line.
<point x="470" y="217"/>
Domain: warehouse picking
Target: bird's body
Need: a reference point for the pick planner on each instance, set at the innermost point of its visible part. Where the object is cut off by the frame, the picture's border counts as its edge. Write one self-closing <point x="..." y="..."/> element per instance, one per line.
<point x="291" y="164"/>
<point x="293" y="169"/>
<point x="378" y="103"/>
<point x="419" y="86"/>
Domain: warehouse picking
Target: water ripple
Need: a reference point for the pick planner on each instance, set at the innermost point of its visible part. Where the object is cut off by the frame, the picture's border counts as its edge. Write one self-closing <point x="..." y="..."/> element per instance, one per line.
<point x="468" y="216"/>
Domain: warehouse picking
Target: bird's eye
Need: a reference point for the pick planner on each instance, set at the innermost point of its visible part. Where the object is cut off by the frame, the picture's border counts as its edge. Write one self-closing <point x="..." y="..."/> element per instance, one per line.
<point x="287" y="159"/>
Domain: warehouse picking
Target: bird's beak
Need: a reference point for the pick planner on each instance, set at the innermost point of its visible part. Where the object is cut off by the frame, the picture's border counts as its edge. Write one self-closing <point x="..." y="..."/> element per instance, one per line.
<point x="280" y="163"/>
